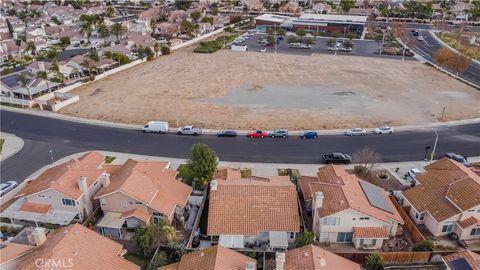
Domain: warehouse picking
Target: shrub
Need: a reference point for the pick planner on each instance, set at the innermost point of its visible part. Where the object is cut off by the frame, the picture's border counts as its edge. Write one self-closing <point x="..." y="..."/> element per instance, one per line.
<point x="165" y="50"/>
<point x="423" y="246"/>
<point x="374" y="262"/>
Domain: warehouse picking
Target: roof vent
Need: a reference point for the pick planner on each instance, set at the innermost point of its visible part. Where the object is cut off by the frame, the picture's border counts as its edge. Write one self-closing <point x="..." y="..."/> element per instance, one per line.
<point x="323" y="262"/>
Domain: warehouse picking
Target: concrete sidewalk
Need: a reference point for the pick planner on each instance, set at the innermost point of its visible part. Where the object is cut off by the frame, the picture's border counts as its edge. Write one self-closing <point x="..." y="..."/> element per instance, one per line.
<point x="215" y="131"/>
<point x="11" y="145"/>
<point x="259" y="169"/>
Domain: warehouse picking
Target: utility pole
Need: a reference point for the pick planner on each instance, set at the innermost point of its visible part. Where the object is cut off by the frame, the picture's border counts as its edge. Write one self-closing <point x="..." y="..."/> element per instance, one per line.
<point x="432" y="155"/>
<point x="383" y="42"/>
<point x="443" y="113"/>
<point x="176" y="111"/>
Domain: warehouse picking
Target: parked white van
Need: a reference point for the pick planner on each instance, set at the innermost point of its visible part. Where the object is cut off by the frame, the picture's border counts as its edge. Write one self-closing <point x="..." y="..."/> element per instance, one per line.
<point x="156" y="126"/>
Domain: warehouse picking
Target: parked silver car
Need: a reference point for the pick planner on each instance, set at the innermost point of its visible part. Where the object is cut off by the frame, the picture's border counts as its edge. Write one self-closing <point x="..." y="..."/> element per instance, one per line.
<point x="356" y="132"/>
<point x="189" y="130"/>
<point x="7" y="187"/>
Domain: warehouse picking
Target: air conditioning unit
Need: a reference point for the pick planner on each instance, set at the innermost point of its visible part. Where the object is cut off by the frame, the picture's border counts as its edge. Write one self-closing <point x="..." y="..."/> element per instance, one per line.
<point x="368" y="247"/>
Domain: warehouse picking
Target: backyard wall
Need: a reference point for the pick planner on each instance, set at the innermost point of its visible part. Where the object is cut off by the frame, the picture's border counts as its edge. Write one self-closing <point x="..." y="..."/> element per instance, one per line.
<point x="17" y="101"/>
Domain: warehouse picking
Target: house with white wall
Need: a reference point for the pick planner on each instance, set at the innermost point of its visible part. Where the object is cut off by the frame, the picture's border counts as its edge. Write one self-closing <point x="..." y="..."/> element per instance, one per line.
<point x="348" y="210"/>
<point x="252" y="212"/>
<point x="140" y="193"/>
<point x="61" y="194"/>
<point x="446" y="200"/>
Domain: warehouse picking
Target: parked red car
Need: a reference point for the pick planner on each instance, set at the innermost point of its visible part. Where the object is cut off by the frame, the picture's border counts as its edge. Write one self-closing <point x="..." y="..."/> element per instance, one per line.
<point x="257" y="134"/>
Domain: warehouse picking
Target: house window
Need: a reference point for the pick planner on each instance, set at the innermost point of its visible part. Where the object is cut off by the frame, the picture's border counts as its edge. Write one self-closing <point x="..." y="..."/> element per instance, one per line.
<point x="368" y="242"/>
<point x="331" y="221"/>
<point x="292" y="235"/>
<point x="138" y="202"/>
<point x="344" y="237"/>
<point x="420" y="216"/>
<point x="471" y="210"/>
<point x="157" y="217"/>
<point x="41" y="196"/>
<point x="475" y="231"/>
<point x="447" y="227"/>
<point x="324" y="235"/>
<point x="68" y="202"/>
<point x="364" y="218"/>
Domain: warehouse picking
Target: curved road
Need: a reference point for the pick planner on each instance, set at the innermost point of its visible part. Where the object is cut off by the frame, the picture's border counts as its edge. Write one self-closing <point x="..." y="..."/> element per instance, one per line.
<point x="65" y="137"/>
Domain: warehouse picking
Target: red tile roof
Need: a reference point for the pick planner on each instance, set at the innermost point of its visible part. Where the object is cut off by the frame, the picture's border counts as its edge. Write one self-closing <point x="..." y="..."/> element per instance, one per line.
<point x="41" y="208"/>
<point x="314" y="258"/>
<point x="468" y="222"/>
<point x="370" y="232"/>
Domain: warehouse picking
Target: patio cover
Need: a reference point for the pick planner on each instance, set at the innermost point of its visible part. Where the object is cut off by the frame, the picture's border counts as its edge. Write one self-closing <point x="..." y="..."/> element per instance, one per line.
<point x="278" y="239"/>
<point x="111" y="220"/>
<point x="60" y="217"/>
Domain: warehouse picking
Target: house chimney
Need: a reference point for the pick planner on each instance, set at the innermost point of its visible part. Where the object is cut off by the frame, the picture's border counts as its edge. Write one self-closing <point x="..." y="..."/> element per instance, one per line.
<point x="106" y="180"/>
<point x="41" y="66"/>
<point x="83" y="186"/>
<point x="279" y="261"/>
<point x="318" y="201"/>
<point x="250" y="266"/>
<point x="213" y="185"/>
<point x="39" y="236"/>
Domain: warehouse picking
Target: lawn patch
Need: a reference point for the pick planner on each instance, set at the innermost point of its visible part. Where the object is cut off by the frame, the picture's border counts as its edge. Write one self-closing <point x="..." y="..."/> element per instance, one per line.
<point x="109" y="159"/>
<point x="1" y="145"/>
<point x="136" y="259"/>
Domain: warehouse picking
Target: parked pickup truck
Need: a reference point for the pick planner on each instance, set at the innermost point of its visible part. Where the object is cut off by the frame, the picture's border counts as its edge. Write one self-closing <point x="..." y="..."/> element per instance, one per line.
<point x="189" y="130"/>
<point x="337" y="158"/>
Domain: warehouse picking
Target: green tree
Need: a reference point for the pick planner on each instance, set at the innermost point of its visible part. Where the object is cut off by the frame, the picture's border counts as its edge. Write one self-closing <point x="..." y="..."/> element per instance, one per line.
<point x="374" y="262"/>
<point x="305" y="238"/>
<point x="165" y="50"/>
<point x="207" y="19"/>
<point x="195" y="15"/>
<point x="309" y="41"/>
<point x="118" y="30"/>
<point x="183" y="4"/>
<point x="31" y="47"/>
<point x="110" y="12"/>
<point x="24" y="81"/>
<point x="159" y="260"/>
<point x="301" y="32"/>
<point x="52" y="54"/>
<point x="94" y="56"/>
<point x="236" y="19"/>
<point x="189" y="27"/>
<point x="423" y="246"/>
<point x="281" y="31"/>
<point x="143" y="237"/>
<point x="336" y="34"/>
<point x="330" y="42"/>
<point x="44" y="76"/>
<point x="200" y="167"/>
<point x="65" y="40"/>
<point x="54" y="66"/>
<point x="347" y="44"/>
<point x="292" y="39"/>
<point x="157" y="47"/>
<point x="270" y="40"/>
<point x="351" y="35"/>
<point x="103" y="31"/>
<point x="475" y="10"/>
<point x="346" y="5"/>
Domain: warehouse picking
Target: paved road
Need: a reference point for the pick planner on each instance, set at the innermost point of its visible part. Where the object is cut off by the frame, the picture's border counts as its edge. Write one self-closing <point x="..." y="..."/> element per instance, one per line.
<point x="368" y="48"/>
<point x="424" y="26"/>
<point x="64" y="137"/>
<point x="429" y="46"/>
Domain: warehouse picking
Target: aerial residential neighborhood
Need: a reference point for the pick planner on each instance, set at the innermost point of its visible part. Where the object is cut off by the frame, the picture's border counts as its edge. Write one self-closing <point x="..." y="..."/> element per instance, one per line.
<point x="240" y="135"/>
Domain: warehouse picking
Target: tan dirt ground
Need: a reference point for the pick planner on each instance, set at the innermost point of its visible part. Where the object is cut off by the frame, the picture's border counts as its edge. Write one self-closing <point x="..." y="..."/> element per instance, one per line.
<point x="394" y="92"/>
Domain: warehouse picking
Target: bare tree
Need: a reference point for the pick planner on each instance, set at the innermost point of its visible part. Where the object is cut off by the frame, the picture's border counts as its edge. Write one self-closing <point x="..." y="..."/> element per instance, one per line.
<point x="367" y="157"/>
<point x="459" y="63"/>
<point x="443" y="56"/>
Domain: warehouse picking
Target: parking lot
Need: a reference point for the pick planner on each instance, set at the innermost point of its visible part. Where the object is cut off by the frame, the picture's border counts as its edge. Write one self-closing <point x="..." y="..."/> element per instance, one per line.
<point x="368" y="48"/>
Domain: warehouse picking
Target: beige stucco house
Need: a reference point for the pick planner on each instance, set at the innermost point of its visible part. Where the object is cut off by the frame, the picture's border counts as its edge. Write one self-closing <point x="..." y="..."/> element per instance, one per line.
<point x="61" y="194"/>
<point x="252" y="212"/>
<point x="446" y="200"/>
<point x="140" y="192"/>
<point x="348" y="210"/>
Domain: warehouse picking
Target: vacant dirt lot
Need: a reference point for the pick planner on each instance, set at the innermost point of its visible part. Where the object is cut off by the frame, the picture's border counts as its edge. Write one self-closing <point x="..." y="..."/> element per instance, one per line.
<point x="253" y="90"/>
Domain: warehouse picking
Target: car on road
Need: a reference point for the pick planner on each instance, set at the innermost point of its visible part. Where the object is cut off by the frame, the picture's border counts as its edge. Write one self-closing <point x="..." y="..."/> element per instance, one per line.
<point x="156" y="127"/>
<point x="7" y="187"/>
<point x="279" y="133"/>
<point x="414" y="32"/>
<point x="309" y="135"/>
<point x="413" y="173"/>
<point x="263" y="50"/>
<point x="356" y="132"/>
<point x="189" y="130"/>
<point x="384" y="130"/>
<point x="336" y="158"/>
<point x="227" y="133"/>
<point x="458" y="158"/>
<point x="257" y="134"/>
<point x="420" y="38"/>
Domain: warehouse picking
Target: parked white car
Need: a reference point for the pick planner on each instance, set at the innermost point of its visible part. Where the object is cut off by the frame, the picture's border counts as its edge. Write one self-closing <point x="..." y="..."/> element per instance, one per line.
<point x="7" y="187"/>
<point x="356" y="132"/>
<point x="263" y="50"/>
<point x="156" y="127"/>
<point x="189" y="130"/>
<point x="384" y="130"/>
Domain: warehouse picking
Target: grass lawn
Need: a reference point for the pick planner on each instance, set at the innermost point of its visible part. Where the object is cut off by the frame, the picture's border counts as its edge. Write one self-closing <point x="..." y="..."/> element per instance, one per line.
<point x="1" y="145"/>
<point x="215" y="45"/>
<point x="466" y="48"/>
<point x="136" y="259"/>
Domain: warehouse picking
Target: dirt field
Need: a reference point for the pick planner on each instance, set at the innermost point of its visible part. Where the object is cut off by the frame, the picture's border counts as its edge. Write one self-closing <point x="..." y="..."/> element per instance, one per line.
<point x="253" y="90"/>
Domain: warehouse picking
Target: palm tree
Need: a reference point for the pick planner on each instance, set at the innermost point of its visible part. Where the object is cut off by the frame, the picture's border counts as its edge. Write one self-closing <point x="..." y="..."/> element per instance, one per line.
<point x="43" y="75"/>
<point x="31" y="47"/>
<point x="110" y="12"/>
<point x="23" y="80"/>
<point x="157" y="47"/>
<point x="86" y="27"/>
<point x="103" y="31"/>
<point x="118" y="30"/>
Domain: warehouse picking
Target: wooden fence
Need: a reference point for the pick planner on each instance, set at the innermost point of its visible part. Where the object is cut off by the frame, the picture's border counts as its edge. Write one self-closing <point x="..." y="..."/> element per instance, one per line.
<point x="400" y="258"/>
<point x="416" y="234"/>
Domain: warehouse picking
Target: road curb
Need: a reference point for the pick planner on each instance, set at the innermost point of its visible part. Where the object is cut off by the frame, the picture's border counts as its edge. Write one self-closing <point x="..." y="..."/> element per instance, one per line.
<point x="11" y="145"/>
<point x="240" y="132"/>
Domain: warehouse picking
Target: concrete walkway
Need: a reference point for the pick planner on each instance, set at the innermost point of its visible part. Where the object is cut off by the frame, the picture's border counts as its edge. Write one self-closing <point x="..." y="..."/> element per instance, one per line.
<point x="11" y="145"/>
<point x="259" y="169"/>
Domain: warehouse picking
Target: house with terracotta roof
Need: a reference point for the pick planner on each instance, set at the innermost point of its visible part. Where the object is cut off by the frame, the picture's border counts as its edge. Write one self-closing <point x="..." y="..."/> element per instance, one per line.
<point x="312" y="258"/>
<point x="140" y="192"/>
<point x="75" y="247"/>
<point x="348" y="210"/>
<point x="213" y="258"/>
<point x="12" y="253"/>
<point x="446" y="200"/>
<point x="61" y="194"/>
<point x="252" y="212"/>
<point x="462" y="260"/>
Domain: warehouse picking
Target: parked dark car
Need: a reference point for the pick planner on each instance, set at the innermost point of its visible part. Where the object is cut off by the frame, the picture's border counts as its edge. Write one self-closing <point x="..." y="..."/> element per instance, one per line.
<point x="336" y="158"/>
<point x="458" y="158"/>
<point x="309" y="135"/>
<point x="227" y="133"/>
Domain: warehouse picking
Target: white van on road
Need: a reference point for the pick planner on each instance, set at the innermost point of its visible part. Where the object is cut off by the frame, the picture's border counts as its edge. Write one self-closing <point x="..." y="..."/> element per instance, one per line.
<point x="156" y="127"/>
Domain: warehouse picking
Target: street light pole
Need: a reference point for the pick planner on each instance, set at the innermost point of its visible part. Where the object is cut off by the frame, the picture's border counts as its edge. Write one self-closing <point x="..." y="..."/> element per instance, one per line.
<point x="176" y="111"/>
<point x="434" y="145"/>
<point x="383" y="42"/>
